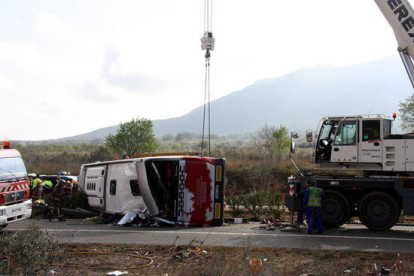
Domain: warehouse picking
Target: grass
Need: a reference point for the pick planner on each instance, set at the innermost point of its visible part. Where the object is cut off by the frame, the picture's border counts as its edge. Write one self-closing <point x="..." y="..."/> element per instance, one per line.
<point x="234" y="261"/>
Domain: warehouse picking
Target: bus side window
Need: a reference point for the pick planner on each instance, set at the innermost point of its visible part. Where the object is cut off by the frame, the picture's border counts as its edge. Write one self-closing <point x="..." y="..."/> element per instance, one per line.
<point x="134" y="187"/>
<point x="112" y="187"/>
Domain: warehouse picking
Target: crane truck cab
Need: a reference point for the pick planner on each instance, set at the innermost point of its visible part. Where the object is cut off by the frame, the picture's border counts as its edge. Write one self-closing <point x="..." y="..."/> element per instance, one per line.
<point x="363" y="142"/>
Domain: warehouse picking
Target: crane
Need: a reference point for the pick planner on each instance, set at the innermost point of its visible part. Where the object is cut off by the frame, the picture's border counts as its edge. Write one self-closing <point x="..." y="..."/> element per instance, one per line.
<point x="207" y="44"/>
<point x="400" y="16"/>
<point x="384" y="185"/>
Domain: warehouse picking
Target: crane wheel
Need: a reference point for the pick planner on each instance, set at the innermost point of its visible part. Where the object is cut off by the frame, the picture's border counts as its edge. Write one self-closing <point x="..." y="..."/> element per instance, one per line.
<point x="379" y="211"/>
<point x="335" y="209"/>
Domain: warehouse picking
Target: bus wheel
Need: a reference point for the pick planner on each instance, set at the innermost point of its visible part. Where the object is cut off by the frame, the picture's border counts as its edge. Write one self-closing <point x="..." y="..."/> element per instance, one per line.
<point x="379" y="211"/>
<point x="335" y="209"/>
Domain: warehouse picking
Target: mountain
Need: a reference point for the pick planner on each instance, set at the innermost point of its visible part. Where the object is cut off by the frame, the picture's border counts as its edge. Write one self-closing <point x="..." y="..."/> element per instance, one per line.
<point x="297" y="100"/>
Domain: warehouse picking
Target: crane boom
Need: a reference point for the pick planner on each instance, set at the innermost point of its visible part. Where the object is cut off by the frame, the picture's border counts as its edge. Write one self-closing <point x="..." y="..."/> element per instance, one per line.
<point x="400" y="16"/>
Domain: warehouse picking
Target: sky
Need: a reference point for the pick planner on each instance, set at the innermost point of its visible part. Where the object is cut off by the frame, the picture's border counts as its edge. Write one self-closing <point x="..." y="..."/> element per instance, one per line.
<point x="70" y="67"/>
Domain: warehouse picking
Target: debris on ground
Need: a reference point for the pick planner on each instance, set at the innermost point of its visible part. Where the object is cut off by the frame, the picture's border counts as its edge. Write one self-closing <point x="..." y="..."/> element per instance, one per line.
<point x="95" y="218"/>
<point x="351" y="270"/>
<point x="144" y="219"/>
<point x="187" y="253"/>
<point x="272" y="224"/>
<point x="396" y="268"/>
<point x="255" y="266"/>
<point x="130" y="217"/>
<point x="117" y="273"/>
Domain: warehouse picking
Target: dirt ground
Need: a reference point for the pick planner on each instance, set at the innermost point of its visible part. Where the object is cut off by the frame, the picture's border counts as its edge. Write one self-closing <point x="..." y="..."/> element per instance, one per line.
<point x="204" y="260"/>
<point x="190" y="260"/>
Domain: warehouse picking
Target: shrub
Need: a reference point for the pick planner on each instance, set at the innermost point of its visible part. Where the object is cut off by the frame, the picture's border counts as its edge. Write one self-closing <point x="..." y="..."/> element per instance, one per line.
<point x="255" y="203"/>
<point x="276" y="206"/>
<point x="236" y="203"/>
<point x="29" y="249"/>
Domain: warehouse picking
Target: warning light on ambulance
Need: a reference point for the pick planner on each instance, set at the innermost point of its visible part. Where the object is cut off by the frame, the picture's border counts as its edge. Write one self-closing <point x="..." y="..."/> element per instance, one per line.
<point x="6" y="145"/>
<point x="394" y="115"/>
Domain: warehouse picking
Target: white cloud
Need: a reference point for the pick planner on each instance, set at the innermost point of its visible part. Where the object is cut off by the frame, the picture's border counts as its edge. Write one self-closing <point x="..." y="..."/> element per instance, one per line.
<point x="53" y="28"/>
<point x="90" y="91"/>
<point x="6" y="84"/>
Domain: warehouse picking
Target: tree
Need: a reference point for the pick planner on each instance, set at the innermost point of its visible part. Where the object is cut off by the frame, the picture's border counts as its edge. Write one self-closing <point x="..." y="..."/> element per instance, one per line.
<point x="263" y="141"/>
<point x="167" y="137"/>
<point x="407" y="114"/>
<point x="281" y="142"/>
<point x="100" y="153"/>
<point x="272" y="142"/>
<point x="178" y="137"/>
<point x="135" y="136"/>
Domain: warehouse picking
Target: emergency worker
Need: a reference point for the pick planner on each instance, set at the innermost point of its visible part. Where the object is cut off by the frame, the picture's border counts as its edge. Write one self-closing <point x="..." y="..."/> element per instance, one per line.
<point x="75" y="187"/>
<point x="37" y="187"/>
<point x="312" y="201"/>
<point x="47" y="185"/>
<point x="58" y="178"/>
<point x="57" y="197"/>
<point x="35" y="181"/>
<point x="69" y="184"/>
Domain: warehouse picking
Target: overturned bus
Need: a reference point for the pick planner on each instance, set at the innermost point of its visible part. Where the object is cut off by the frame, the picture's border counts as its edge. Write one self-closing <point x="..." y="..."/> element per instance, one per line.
<point x="180" y="189"/>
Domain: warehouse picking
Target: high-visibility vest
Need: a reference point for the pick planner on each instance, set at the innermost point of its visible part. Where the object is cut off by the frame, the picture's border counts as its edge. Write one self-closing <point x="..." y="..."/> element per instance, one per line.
<point x="35" y="182"/>
<point x="315" y="197"/>
<point x="48" y="183"/>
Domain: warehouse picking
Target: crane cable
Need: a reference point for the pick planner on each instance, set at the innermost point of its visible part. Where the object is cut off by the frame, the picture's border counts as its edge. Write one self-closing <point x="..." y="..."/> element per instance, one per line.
<point x="206" y="104"/>
<point x="207" y="43"/>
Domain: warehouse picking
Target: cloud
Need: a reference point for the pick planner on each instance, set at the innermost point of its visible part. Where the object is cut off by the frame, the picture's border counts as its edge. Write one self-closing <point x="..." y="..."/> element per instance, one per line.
<point x="129" y="81"/>
<point x="52" y="27"/>
<point x="90" y="91"/>
<point x="6" y="84"/>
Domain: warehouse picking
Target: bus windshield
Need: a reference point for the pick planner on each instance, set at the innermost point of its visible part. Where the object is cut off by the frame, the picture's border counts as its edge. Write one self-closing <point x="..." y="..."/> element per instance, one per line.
<point x="12" y="168"/>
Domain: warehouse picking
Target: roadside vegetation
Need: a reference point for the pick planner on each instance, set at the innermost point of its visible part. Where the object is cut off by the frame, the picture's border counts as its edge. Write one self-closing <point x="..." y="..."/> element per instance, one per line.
<point x="34" y="252"/>
<point x="255" y="161"/>
<point x="27" y="252"/>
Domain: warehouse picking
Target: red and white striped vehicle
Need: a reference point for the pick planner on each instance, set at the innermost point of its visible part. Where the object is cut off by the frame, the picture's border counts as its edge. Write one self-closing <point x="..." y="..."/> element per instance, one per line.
<point x="15" y="202"/>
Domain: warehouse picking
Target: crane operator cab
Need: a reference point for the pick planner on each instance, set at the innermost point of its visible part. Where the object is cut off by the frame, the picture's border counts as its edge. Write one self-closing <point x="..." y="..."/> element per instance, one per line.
<point x="356" y="142"/>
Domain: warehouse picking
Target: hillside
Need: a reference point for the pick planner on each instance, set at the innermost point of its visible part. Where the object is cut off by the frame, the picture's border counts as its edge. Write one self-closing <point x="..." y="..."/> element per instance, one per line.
<point x="297" y="100"/>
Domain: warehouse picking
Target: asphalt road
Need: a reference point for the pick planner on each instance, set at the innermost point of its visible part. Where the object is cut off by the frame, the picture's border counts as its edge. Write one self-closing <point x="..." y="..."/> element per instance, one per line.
<point x="399" y="239"/>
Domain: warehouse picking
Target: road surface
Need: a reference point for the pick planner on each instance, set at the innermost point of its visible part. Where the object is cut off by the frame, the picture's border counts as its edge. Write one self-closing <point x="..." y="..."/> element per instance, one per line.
<point x="399" y="239"/>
